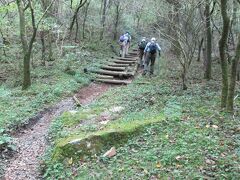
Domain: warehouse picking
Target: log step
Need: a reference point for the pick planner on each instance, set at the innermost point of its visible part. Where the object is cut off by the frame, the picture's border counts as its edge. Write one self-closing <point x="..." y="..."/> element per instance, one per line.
<point x="104" y="77"/>
<point x="117" y="65"/>
<point x="113" y="73"/>
<point x="128" y="59"/>
<point x="123" y="62"/>
<point x="131" y="56"/>
<point x="135" y="49"/>
<point x="113" y="81"/>
<point x="113" y="68"/>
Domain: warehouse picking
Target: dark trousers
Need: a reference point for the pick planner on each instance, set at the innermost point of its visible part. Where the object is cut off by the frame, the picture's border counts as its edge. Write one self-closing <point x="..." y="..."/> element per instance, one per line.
<point x="141" y="53"/>
<point x="150" y="60"/>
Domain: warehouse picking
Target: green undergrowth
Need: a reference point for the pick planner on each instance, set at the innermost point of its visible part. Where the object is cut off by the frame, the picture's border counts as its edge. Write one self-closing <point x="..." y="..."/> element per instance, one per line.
<point x="173" y="134"/>
<point x="60" y="78"/>
<point x="75" y="146"/>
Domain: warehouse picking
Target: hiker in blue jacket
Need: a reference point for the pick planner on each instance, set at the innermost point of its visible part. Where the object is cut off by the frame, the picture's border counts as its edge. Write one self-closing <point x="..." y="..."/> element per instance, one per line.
<point x="150" y="54"/>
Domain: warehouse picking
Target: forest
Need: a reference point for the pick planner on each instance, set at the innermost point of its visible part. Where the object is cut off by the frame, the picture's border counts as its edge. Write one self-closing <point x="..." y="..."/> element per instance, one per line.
<point x="76" y="103"/>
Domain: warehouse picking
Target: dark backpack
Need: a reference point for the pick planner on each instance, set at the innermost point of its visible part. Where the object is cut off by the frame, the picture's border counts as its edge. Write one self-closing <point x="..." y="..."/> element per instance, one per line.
<point x="142" y="45"/>
<point x="153" y="48"/>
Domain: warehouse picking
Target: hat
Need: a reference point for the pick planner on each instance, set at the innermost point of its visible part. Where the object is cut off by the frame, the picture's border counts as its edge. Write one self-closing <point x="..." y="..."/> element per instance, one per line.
<point x="153" y="39"/>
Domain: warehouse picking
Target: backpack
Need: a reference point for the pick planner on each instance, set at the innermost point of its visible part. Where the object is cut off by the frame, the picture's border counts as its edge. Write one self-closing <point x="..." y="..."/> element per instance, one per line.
<point x="142" y="45"/>
<point x="153" y="48"/>
<point x="129" y="38"/>
<point x="122" y="38"/>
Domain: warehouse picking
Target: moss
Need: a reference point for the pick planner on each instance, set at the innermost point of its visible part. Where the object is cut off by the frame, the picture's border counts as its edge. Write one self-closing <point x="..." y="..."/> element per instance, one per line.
<point x="78" y="146"/>
<point x="69" y="119"/>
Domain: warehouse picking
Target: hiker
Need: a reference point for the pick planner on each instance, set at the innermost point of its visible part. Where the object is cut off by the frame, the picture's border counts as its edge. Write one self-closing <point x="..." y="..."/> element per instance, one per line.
<point x="123" y="44"/>
<point x="124" y="41"/>
<point x="141" y="46"/>
<point x="129" y="38"/>
<point x="150" y="54"/>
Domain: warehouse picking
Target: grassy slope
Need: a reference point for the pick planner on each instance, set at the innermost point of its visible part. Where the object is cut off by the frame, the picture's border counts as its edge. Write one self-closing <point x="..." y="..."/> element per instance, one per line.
<point x="50" y="84"/>
<point x="194" y="140"/>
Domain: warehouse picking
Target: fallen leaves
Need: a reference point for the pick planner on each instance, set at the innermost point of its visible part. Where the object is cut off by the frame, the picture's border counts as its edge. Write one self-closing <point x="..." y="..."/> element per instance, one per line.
<point x="158" y="165"/>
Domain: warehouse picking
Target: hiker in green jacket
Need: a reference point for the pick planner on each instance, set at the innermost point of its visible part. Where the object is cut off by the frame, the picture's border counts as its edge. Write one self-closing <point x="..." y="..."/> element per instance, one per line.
<point x="141" y="46"/>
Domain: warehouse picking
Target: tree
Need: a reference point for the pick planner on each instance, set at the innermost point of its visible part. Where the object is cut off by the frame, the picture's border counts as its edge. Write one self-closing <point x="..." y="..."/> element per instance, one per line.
<point x="85" y="18"/>
<point x="103" y="19"/>
<point x="208" y="60"/>
<point x="118" y="10"/>
<point x="222" y="50"/>
<point x="27" y="46"/>
<point x="183" y="35"/>
<point x="233" y="77"/>
<point x="75" y="15"/>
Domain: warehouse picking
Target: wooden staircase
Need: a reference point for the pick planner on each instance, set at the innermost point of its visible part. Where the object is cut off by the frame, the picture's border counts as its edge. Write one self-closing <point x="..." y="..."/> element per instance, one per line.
<point x="118" y="70"/>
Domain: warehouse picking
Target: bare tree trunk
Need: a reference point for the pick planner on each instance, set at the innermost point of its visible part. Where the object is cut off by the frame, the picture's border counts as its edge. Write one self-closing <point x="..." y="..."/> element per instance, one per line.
<point x="50" y="50"/>
<point x="77" y="28"/>
<point x="26" y="60"/>
<point x="117" y="11"/>
<point x="233" y="77"/>
<point x="103" y="20"/>
<point x="42" y="34"/>
<point x="184" y="73"/>
<point x="81" y="4"/>
<point x="222" y="49"/>
<point x="208" y="70"/>
<point x="27" y="47"/>
<point x="200" y="49"/>
<point x="4" y="52"/>
<point x="85" y="19"/>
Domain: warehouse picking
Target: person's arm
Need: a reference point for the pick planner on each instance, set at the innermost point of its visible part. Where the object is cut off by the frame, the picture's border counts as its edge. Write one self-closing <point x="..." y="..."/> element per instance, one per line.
<point x="159" y="49"/>
<point x="146" y="48"/>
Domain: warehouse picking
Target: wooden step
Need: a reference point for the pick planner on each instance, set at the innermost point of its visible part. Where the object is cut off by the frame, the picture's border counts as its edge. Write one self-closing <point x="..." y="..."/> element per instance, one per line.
<point x="135" y="49"/>
<point x="123" y="62"/>
<point x="128" y="59"/>
<point x="117" y="65"/>
<point x="113" y="73"/>
<point x="113" y="68"/>
<point x="133" y="54"/>
<point x="104" y="77"/>
<point x="113" y="81"/>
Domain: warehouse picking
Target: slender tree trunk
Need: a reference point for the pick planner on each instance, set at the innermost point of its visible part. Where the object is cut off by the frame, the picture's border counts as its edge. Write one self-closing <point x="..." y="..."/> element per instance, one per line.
<point x="184" y="74"/>
<point x="26" y="48"/>
<point x="200" y="49"/>
<point x="42" y="34"/>
<point x="81" y="4"/>
<point x="208" y="70"/>
<point x="103" y="20"/>
<point x="77" y="28"/>
<point x="222" y="50"/>
<point x="234" y="68"/>
<point x="85" y="19"/>
<point x="50" y="50"/>
<point x="116" y="20"/>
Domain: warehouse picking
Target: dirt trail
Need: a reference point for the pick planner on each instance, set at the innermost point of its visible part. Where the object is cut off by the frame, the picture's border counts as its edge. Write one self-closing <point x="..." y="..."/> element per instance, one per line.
<point x="32" y="142"/>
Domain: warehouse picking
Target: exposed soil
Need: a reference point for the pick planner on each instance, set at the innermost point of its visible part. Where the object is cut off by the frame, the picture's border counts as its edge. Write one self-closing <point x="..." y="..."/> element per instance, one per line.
<point x="32" y="142"/>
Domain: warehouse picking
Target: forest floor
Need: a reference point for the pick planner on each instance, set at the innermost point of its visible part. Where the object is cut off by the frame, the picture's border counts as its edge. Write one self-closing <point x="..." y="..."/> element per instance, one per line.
<point x="158" y="131"/>
<point x="31" y="143"/>
<point x="22" y="112"/>
<point x="152" y="129"/>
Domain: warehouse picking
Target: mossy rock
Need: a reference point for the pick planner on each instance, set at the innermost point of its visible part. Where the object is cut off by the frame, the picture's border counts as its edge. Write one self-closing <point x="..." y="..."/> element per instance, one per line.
<point x="78" y="146"/>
